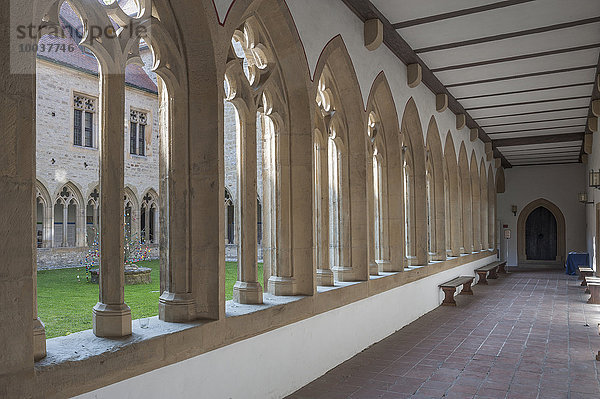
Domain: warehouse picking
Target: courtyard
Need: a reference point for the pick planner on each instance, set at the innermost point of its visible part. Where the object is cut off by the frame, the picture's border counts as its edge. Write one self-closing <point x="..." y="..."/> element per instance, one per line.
<point x="66" y="297"/>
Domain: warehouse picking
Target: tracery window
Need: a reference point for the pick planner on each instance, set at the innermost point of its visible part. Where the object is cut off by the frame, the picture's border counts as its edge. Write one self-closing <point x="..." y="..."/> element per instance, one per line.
<point x="92" y="217"/>
<point x="148" y="217"/>
<point x="255" y="115"/>
<point x="83" y="120"/>
<point x="66" y="206"/>
<point x="137" y="132"/>
<point x="229" y="218"/>
<point x="409" y="206"/>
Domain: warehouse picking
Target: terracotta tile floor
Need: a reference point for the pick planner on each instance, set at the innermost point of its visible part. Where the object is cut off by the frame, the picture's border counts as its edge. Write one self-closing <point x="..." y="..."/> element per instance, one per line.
<point x="525" y="335"/>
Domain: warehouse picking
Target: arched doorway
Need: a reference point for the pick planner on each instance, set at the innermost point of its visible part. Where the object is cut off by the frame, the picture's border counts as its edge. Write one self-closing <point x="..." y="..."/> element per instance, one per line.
<point x="541" y="234"/>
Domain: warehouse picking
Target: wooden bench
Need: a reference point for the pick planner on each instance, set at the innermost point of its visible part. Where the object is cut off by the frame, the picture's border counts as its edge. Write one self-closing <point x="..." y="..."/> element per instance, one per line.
<point x="492" y="268"/>
<point x="588" y="280"/>
<point x="585" y="272"/>
<point x="594" y="290"/>
<point x="502" y="267"/>
<point x="449" y="289"/>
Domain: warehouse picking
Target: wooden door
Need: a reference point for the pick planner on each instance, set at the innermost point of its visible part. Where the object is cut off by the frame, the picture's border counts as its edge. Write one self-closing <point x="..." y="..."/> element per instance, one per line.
<point x="540" y="235"/>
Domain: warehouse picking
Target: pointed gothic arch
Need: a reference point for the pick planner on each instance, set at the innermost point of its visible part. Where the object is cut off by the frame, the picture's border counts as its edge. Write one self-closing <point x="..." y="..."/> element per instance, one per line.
<point x="560" y="231"/>
<point x="491" y="209"/>
<point x="475" y="203"/>
<point x="438" y="214"/>
<point x="381" y="103"/>
<point x="412" y="135"/>
<point x="453" y="198"/>
<point x="69" y="216"/>
<point x="338" y="96"/>
<point x="466" y="200"/>
<point x="500" y="183"/>
<point x="484" y="205"/>
<point x="44" y="217"/>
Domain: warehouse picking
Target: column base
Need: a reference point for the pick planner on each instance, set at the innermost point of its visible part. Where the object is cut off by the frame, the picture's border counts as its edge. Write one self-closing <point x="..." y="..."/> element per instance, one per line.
<point x="111" y="320"/>
<point x="176" y="308"/>
<point x="325" y="277"/>
<point x="39" y="339"/>
<point x="386" y="266"/>
<point x="247" y="293"/>
<point x="282" y="285"/>
<point x="373" y="269"/>
<point x="343" y="273"/>
<point x="437" y="256"/>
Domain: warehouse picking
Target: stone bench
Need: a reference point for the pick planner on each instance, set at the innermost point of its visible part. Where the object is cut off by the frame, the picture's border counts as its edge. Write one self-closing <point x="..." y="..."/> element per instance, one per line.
<point x="492" y="268"/>
<point x="585" y="272"/>
<point x="449" y="289"/>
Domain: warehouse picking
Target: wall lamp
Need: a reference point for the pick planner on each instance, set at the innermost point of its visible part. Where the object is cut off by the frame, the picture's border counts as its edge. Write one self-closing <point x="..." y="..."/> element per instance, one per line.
<point x="583" y="198"/>
<point x="513" y="208"/>
<point x="594" y="178"/>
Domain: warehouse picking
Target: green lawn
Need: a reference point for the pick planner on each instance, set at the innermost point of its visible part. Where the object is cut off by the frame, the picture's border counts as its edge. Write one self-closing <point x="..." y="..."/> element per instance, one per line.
<point x="66" y="299"/>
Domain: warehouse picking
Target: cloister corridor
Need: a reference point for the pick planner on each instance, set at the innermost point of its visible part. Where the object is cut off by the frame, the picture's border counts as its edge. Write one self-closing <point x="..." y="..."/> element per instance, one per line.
<point x="525" y="335"/>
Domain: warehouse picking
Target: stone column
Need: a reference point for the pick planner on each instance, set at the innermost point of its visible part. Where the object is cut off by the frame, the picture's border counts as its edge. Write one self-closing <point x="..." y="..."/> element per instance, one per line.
<point x="20" y="333"/>
<point x="324" y="273"/>
<point x="246" y="289"/>
<point x="48" y="223"/>
<point x="111" y="316"/>
<point x="372" y="214"/>
<point x="147" y="224"/>
<point x="65" y="225"/>
<point x="277" y="210"/>
<point x="80" y="226"/>
<point x="383" y="216"/>
<point x="176" y="303"/>
<point x="340" y="216"/>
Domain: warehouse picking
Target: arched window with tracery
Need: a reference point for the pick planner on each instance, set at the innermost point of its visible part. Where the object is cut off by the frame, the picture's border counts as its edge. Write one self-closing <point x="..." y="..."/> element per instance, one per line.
<point x="447" y="207"/>
<point x="68" y="226"/>
<point x="430" y="199"/>
<point x="332" y="179"/>
<point x="229" y="218"/>
<point x="92" y="215"/>
<point x="148" y="219"/>
<point x="43" y="214"/>
<point x="409" y="206"/>
<point x="379" y="257"/>
<point x="255" y="108"/>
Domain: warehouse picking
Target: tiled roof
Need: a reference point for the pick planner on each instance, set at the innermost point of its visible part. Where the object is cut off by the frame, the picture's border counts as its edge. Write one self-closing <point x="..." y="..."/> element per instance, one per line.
<point x="56" y="49"/>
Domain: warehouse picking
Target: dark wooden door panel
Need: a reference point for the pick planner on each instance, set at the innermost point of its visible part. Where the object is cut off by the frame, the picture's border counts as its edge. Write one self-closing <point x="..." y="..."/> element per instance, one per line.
<point x="540" y="235"/>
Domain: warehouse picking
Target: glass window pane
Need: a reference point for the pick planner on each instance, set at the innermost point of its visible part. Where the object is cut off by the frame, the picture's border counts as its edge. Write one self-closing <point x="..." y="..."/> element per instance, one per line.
<point x="132" y="138"/>
<point x="77" y="127"/>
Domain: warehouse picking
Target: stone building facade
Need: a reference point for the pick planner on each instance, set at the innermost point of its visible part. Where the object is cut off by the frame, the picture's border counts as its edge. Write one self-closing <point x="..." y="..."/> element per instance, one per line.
<point x="68" y="170"/>
<point x="62" y="163"/>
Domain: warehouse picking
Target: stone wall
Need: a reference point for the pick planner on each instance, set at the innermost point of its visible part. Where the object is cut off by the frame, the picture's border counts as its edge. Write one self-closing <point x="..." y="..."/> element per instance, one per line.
<point x="59" y="161"/>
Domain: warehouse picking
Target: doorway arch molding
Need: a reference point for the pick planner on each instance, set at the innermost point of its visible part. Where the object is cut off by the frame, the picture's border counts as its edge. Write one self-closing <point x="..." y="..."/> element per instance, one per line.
<point x="560" y="230"/>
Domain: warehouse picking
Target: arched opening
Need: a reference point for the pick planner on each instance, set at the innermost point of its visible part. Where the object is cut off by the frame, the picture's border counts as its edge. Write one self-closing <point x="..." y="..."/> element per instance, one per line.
<point x="229" y="219"/>
<point x="466" y="227"/>
<point x="540" y="235"/>
<point x="541" y="232"/>
<point x="415" y="193"/>
<point x="453" y="198"/>
<point x="475" y="204"/>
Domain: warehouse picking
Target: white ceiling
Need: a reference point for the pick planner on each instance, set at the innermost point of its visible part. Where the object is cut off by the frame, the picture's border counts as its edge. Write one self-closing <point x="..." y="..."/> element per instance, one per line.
<point x="484" y="75"/>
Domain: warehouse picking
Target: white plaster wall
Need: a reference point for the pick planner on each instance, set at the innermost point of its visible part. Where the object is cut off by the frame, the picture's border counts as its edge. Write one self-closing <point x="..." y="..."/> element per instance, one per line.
<point x="593" y="195"/>
<point x="319" y="21"/>
<point x="261" y="367"/>
<point x="556" y="183"/>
